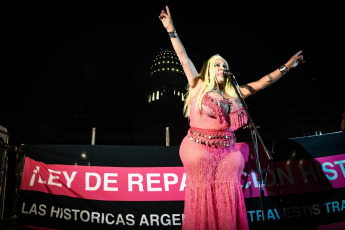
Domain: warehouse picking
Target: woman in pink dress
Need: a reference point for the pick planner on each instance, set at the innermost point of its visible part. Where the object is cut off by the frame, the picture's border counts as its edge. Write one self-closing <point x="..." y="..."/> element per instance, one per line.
<point x="212" y="162"/>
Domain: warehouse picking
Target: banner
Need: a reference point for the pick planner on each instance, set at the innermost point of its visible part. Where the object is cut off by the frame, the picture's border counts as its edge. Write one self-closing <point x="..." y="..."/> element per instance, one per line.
<point x="131" y="187"/>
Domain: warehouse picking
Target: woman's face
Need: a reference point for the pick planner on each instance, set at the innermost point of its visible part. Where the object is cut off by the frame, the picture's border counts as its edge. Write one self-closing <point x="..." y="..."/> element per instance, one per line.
<point x="219" y="67"/>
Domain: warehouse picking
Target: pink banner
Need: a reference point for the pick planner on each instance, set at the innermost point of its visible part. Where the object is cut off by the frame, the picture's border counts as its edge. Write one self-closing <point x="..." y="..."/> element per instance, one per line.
<point x="105" y="183"/>
<point x="168" y="183"/>
<point x="297" y="176"/>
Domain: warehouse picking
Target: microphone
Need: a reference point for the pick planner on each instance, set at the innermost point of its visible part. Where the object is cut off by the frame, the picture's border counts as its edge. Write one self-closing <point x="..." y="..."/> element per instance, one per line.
<point x="227" y="73"/>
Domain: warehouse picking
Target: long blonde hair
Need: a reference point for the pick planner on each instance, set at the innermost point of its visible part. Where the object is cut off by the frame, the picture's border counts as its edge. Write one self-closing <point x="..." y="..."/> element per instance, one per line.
<point x="210" y="82"/>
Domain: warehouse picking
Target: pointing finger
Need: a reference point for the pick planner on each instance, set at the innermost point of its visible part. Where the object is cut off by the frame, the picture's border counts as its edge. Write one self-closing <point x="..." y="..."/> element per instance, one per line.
<point x="168" y="11"/>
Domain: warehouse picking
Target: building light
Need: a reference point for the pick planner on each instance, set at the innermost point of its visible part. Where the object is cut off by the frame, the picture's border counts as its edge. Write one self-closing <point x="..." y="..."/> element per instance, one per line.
<point x="166" y="66"/>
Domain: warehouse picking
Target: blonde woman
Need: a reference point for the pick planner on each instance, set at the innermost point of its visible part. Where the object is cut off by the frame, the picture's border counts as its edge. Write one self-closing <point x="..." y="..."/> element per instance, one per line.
<point x="212" y="162"/>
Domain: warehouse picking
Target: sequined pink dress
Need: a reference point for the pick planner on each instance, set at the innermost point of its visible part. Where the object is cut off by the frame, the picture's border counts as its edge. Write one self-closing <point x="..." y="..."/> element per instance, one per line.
<point x="213" y="166"/>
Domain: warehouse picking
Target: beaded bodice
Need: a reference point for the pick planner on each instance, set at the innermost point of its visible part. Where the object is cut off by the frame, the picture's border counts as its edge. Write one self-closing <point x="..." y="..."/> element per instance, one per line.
<point x="218" y="113"/>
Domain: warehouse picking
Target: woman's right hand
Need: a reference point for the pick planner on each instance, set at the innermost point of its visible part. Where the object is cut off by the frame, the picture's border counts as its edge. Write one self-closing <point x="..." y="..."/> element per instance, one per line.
<point x="166" y="19"/>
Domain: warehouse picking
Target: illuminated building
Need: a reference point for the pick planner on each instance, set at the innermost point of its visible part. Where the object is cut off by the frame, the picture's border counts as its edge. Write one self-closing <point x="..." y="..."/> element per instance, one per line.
<point x="166" y="77"/>
<point x="165" y="91"/>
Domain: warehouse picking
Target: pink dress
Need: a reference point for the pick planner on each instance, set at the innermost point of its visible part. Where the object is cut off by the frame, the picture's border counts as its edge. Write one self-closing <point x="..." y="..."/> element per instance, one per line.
<point x="213" y="166"/>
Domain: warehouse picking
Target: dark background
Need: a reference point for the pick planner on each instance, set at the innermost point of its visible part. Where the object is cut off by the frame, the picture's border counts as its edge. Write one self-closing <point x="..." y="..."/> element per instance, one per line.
<point x="68" y="67"/>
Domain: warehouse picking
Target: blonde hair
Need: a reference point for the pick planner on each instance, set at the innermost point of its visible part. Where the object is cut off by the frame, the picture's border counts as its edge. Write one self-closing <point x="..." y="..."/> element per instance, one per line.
<point x="210" y="82"/>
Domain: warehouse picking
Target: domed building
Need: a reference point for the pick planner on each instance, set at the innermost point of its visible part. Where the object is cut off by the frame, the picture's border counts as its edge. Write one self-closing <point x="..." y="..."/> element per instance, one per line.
<point x="166" y="78"/>
<point x="165" y="91"/>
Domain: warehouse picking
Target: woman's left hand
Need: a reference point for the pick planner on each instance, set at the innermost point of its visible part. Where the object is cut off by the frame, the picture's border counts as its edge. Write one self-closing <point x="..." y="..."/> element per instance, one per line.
<point x="295" y="60"/>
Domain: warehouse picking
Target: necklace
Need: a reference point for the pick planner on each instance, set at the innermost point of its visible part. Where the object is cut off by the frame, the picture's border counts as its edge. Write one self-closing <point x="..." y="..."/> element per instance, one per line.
<point x="221" y="92"/>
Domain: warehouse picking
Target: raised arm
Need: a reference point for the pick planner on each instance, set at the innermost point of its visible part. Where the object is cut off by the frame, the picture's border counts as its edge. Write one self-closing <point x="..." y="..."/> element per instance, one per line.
<point x="187" y="65"/>
<point x="253" y="87"/>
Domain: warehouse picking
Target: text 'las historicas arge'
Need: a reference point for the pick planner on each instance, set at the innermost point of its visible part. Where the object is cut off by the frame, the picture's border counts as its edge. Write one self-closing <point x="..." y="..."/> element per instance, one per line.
<point x="87" y="216"/>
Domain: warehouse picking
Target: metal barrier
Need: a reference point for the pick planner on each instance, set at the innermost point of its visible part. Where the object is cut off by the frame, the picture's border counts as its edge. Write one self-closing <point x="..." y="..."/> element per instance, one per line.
<point x="10" y="173"/>
<point x="3" y="169"/>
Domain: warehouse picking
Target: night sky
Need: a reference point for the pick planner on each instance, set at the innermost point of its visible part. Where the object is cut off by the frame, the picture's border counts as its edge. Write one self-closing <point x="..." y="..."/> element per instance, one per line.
<point x="66" y="68"/>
